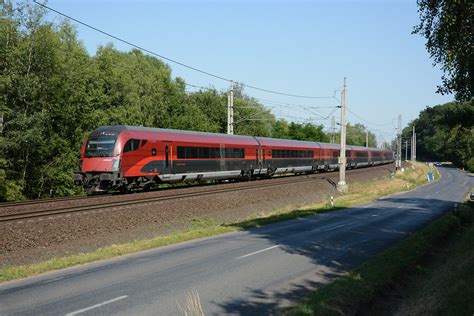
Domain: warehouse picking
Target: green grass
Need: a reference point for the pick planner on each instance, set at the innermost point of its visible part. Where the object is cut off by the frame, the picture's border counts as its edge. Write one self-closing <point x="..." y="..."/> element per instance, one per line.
<point x="200" y="228"/>
<point x="361" y="286"/>
<point x="284" y="216"/>
<point x="205" y="227"/>
<point x="447" y="286"/>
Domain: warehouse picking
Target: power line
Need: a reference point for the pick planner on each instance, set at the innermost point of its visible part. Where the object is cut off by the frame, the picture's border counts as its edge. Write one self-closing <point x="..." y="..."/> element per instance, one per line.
<point x="286" y="94"/>
<point x="200" y="87"/>
<point x="129" y="43"/>
<point x="368" y="122"/>
<point x="294" y="104"/>
<point x="273" y="104"/>
<point x="173" y="60"/>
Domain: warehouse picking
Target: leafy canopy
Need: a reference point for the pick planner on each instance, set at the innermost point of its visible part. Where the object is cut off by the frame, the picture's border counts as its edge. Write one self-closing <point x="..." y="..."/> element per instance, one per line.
<point x="448" y="26"/>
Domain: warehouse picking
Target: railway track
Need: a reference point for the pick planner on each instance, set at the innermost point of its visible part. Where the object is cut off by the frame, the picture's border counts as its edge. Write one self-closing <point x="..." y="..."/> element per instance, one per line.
<point x="84" y="197"/>
<point x="5" y="218"/>
<point x="102" y="206"/>
<point x="42" y="201"/>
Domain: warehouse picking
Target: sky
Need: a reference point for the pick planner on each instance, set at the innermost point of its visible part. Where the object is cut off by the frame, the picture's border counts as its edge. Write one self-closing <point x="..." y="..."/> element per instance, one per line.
<point x="295" y="47"/>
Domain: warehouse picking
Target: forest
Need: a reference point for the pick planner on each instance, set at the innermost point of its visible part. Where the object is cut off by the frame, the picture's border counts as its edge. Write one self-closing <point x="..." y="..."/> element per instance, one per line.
<point x="445" y="133"/>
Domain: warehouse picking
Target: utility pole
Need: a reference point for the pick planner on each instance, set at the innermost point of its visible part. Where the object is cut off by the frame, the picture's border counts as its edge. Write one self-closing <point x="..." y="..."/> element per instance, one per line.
<point x="341" y="185"/>
<point x="366" y="137"/>
<point x="230" y="109"/>
<point x="413" y="145"/>
<point x="333" y="129"/>
<point x="414" y="148"/>
<point x="406" y="150"/>
<point x="398" y="163"/>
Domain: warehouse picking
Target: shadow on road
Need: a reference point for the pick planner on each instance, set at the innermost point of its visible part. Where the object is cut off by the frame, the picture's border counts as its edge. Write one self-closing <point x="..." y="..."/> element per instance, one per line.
<point x="335" y="242"/>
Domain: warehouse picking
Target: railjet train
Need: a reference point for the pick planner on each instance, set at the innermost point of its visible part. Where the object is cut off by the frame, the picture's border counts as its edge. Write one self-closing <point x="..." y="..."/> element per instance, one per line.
<point x="125" y="157"/>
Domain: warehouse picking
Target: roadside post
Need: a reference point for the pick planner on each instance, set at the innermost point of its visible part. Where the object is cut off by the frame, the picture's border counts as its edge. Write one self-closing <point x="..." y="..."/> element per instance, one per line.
<point x="430" y="173"/>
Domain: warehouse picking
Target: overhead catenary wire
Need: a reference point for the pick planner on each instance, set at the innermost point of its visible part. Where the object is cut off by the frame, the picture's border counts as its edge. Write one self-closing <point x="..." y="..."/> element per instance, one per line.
<point x="272" y="104"/>
<point x="368" y="122"/>
<point x="294" y="104"/>
<point x="174" y="60"/>
<point x="130" y="43"/>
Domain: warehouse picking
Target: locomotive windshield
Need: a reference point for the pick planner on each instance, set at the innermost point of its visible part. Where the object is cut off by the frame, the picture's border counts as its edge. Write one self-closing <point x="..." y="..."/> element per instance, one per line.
<point x="100" y="146"/>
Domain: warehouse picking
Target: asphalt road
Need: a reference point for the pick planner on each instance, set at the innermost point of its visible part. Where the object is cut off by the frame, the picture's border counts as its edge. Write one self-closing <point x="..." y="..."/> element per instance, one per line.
<point x="251" y="272"/>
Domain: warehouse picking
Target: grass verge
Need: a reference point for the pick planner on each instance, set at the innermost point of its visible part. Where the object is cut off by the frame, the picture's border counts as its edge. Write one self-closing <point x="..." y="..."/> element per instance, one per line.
<point x="200" y="228"/>
<point x="439" y="292"/>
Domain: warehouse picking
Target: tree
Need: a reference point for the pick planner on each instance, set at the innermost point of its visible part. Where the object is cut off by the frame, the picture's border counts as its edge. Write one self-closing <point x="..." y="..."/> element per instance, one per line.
<point x="356" y="135"/>
<point x="280" y="129"/>
<point x="445" y="133"/>
<point x="448" y="27"/>
<point x="298" y="131"/>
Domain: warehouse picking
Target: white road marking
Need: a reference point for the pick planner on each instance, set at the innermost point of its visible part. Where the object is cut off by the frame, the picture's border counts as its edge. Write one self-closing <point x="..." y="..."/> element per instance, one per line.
<point x="333" y="228"/>
<point x="97" y="305"/>
<point x="255" y="252"/>
<point x="401" y="206"/>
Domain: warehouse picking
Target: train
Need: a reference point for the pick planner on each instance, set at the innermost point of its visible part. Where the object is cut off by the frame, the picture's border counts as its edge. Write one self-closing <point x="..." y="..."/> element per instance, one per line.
<point x="122" y="158"/>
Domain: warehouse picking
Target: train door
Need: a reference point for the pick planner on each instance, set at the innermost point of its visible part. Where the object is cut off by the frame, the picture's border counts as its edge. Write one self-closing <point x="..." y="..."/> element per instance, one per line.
<point x="222" y="159"/>
<point x="168" y="158"/>
<point x="260" y="158"/>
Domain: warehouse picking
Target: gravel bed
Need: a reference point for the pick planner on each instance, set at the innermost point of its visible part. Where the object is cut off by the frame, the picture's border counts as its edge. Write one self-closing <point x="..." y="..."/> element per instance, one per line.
<point x="44" y="238"/>
<point x="112" y="198"/>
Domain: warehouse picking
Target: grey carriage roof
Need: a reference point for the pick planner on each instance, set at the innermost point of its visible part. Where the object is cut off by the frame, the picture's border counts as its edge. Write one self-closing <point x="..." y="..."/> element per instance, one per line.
<point x="119" y="128"/>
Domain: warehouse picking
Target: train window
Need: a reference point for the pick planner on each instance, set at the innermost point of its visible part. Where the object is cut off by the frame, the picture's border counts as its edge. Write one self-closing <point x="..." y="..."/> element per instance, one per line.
<point x="277" y="153"/>
<point x="204" y="152"/>
<point x="335" y="153"/>
<point x="192" y="152"/>
<point x="215" y="153"/>
<point x="153" y="151"/>
<point x="209" y="152"/>
<point x="234" y="153"/>
<point x="144" y="141"/>
<point x="102" y="146"/>
<point x="362" y="154"/>
<point x="131" y="145"/>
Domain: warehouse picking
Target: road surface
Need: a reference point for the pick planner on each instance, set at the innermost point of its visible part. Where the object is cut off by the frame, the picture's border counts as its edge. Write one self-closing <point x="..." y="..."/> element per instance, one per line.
<point x="252" y="272"/>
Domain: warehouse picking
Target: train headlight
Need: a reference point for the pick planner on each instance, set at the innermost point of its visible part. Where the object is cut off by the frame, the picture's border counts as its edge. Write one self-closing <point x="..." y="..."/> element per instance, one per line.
<point x="115" y="165"/>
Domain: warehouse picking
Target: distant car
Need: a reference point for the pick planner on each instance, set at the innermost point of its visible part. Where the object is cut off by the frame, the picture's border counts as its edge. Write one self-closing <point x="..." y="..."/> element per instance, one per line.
<point x="472" y="196"/>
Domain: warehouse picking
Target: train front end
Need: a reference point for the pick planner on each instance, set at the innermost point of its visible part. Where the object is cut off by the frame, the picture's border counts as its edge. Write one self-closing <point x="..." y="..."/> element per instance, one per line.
<point x="99" y="165"/>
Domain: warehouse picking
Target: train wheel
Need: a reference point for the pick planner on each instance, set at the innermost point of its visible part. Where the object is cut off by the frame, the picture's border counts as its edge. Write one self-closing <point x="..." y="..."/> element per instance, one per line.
<point x="123" y="189"/>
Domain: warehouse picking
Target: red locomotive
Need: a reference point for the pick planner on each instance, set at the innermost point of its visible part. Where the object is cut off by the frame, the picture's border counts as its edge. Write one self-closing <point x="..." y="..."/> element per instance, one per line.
<point x="125" y="157"/>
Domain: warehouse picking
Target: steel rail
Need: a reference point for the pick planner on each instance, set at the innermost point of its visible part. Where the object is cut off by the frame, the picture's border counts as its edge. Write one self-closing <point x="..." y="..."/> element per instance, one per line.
<point x="77" y="209"/>
<point x="41" y="201"/>
<point x="216" y="189"/>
